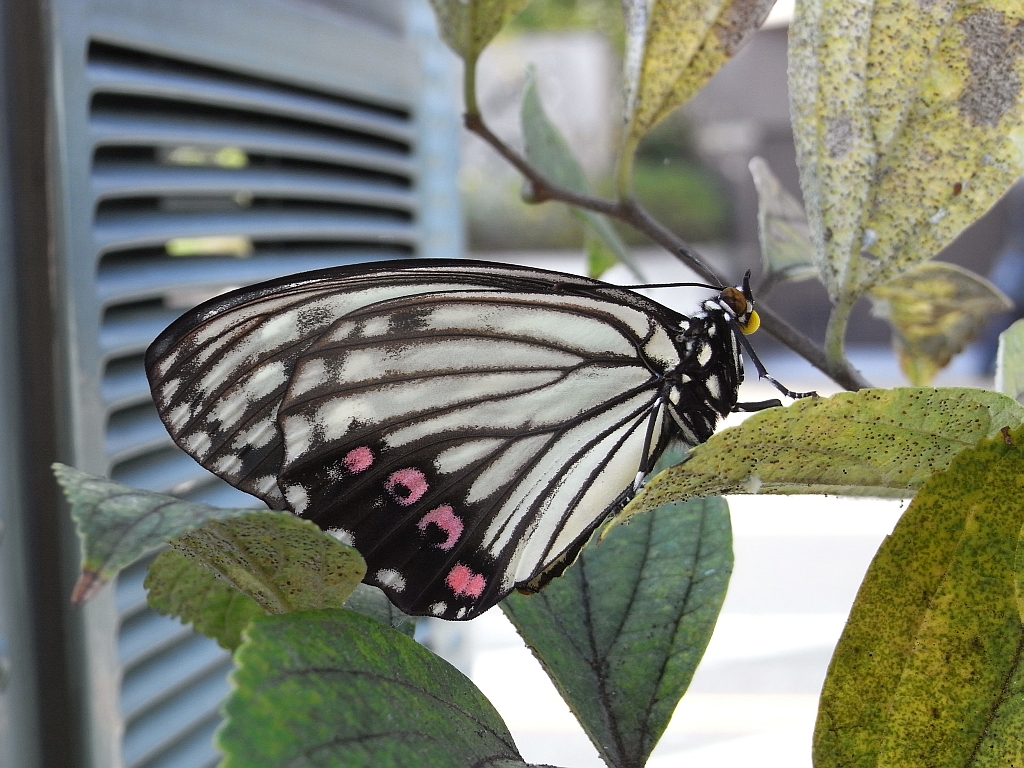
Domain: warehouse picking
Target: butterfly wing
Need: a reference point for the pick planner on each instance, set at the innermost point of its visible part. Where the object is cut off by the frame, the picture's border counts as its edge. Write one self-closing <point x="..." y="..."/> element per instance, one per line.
<point x="219" y="372"/>
<point x="461" y="437"/>
<point x="462" y="441"/>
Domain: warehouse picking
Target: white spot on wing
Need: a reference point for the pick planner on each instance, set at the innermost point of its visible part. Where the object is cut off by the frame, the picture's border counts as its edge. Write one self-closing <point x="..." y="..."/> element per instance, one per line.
<point x="438" y="609"/>
<point x="297" y="498"/>
<point x="298" y="436"/>
<point x="389" y="577"/>
<point x="279" y="329"/>
<point x="345" y="537"/>
<point x="308" y="375"/>
<point x="167" y="391"/>
<point x="267" y="485"/>
<point x="660" y="349"/>
<point x="459" y="457"/>
<point x="257" y="435"/>
<point x="198" y="444"/>
<point x="376" y="326"/>
<point x="227" y="465"/>
<point x="714" y="387"/>
<point x="179" y="416"/>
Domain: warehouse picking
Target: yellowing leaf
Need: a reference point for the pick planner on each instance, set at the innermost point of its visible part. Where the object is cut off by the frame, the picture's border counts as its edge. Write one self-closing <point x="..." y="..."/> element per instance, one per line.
<point x="909" y="125"/>
<point x="927" y="672"/>
<point x="876" y="442"/>
<point x="178" y="586"/>
<point x="786" y="250"/>
<point x="1010" y="362"/>
<point x="282" y="562"/>
<point x="469" y="25"/>
<point x="683" y="43"/>
<point x="934" y="310"/>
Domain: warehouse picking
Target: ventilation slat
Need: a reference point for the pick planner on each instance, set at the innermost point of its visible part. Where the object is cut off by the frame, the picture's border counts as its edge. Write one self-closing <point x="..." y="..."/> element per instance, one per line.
<point x="141" y="277"/>
<point x="122" y="231"/>
<point x="143" y="636"/>
<point x="132" y="332"/>
<point x="130" y="129"/>
<point x="191" y="750"/>
<point x="151" y="683"/>
<point x="130" y="594"/>
<point x="166" y="471"/>
<point x="134" y="181"/>
<point x="158" y="730"/>
<point x="125" y="385"/>
<point x="135" y="431"/>
<point x="220" y="494"/>
<point x="262" y="98"/>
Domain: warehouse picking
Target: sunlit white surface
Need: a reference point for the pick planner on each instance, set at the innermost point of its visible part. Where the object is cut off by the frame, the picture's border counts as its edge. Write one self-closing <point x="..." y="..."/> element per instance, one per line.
<point x="781" y="14"/>
<point x="754" y="698"/>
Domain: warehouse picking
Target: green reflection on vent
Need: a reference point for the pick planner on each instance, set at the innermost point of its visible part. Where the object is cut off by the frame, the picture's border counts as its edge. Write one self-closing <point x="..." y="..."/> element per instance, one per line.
<point x="220" y="245"/>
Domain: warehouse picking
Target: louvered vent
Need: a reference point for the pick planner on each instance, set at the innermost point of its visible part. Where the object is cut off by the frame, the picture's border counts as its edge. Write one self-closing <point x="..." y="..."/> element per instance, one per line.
<point x="205" y="179"/>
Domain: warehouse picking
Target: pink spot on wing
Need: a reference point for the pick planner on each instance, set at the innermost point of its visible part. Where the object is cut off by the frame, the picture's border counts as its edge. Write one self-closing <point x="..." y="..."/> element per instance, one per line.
<point x="358" y="459"/>
<point x="443" y="517"/>
<point x="407" y="486"/>
<point x="464" y="582"/>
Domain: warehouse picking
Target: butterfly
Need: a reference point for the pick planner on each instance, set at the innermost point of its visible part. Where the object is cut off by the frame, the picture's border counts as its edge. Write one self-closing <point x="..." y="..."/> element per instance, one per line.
<point x="465" y="425"/>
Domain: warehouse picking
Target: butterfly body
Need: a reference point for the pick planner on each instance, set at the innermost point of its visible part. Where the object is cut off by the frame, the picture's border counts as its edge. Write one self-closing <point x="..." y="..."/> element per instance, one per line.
<point x="462" y="424"/>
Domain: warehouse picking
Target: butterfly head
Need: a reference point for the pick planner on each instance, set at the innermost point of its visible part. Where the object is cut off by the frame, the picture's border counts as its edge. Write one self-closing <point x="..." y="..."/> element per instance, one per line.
<point x="739" y="302"/>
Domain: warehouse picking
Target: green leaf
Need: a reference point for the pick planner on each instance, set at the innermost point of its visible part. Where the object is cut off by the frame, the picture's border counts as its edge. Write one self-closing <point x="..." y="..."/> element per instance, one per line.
<point x="786" y="250"/>
<point x="876" y="442"/>
<point x="180" y="587"/>
<point x="118" y="524"/>
<point x="1010" y="362"/>
<point x="332" y="687"/>
<point x="281" y="561"/>
<point x="674" y="47"/>
<point x="548" y="151"/>
<point x="371" y="601"/>
<point x="622" y="631"/>
<point x="183" y="588"/>
<point x="928" y="670"/>
<point x="909" y="125"/>
<point x="469" y="25"/>
<point x="934" y="310"/>
<point x="600" y="258"/>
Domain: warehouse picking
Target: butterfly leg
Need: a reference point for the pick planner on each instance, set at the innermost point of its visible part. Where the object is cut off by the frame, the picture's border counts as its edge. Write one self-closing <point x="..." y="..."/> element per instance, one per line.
<point x="646" y="462"/>
<point x="760" y="405"/>
<point x="762" y="372"/>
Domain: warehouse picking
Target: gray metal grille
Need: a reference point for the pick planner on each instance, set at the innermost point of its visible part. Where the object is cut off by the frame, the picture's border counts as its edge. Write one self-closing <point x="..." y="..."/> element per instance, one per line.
<point x="252" y="179"/>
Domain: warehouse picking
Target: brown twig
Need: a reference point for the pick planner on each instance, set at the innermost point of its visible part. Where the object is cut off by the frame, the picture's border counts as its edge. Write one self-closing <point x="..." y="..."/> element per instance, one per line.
<point x="632" y="213"/>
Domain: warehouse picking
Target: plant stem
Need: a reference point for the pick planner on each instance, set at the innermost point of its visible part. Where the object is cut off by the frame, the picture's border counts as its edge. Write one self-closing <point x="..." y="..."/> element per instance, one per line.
<point x="624" y="169"/>
<point x="469" y="89"/>
<point x="835" y="332"/>
<point x="631" y="212"/>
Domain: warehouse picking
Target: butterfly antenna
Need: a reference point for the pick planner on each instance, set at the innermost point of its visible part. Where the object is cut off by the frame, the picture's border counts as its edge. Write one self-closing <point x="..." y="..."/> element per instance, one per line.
<point x="697" y="266"/>
<point x="669" y="285"/>
<point x="762" y="372"/>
